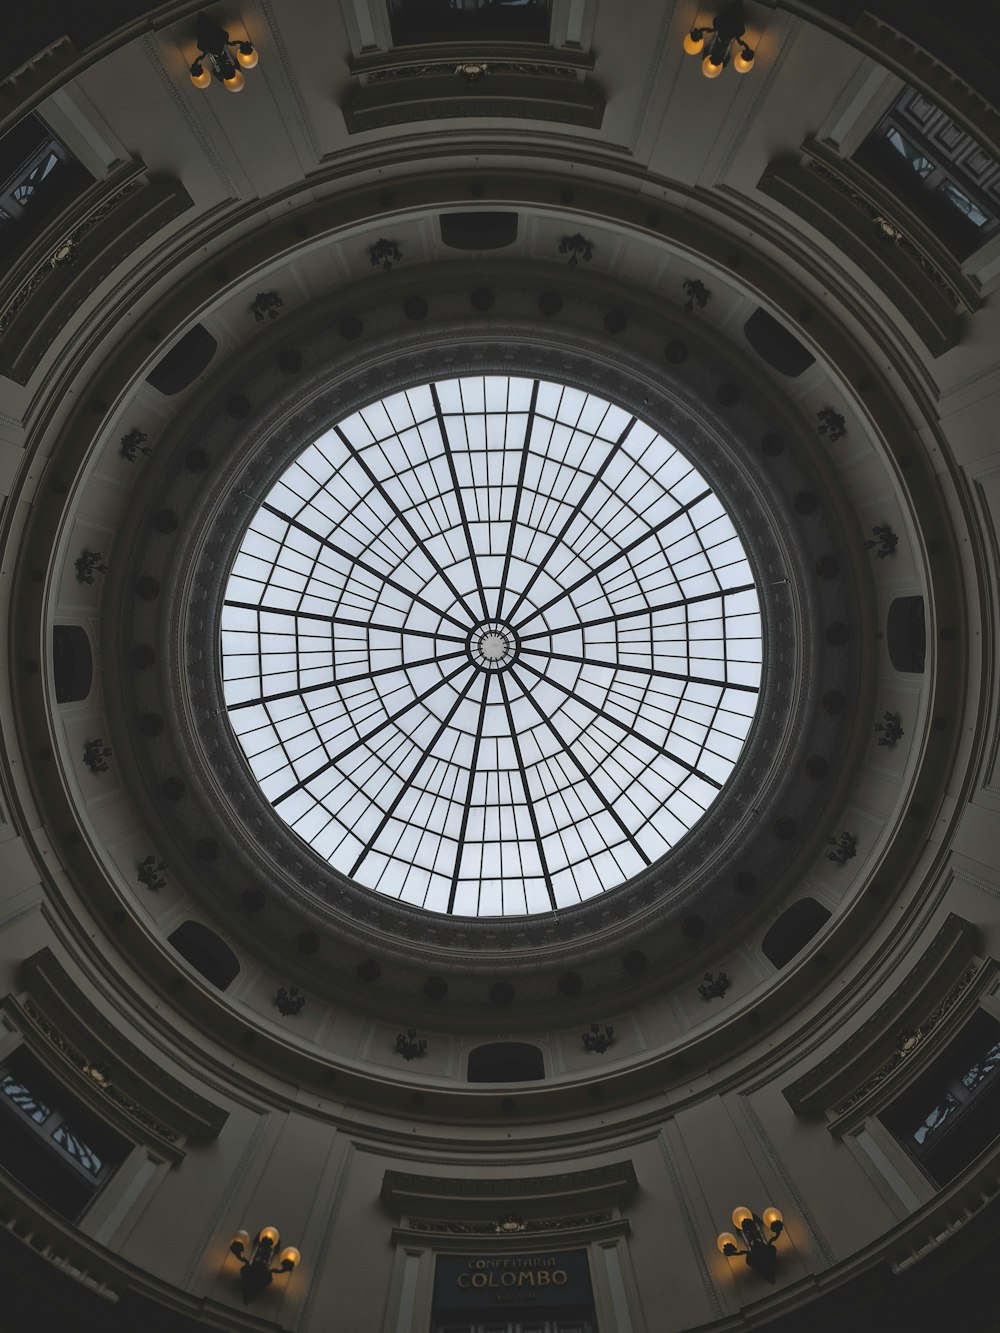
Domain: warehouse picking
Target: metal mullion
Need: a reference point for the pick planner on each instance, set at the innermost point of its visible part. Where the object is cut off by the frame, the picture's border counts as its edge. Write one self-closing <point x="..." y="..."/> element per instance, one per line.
<point x="574" y="513"/>
<point x="652" y="671"/>
<point x="459" y="500"/>
<point x="516" y="742"/>
<point x="710" y="726"/>
<point x="445" y="722"/>
<point x="390" y="582"/>
<point x="623" y="726"/>
<point x="642" y="610"/>
<point x="321" y="489"/>
<point x="335" y="683"/>
<point x="364" y="739"/>
<point x="397" y="629"/>
<point x="260" y="653"/>
<point x="518" y="493"/>
<point x="625" y="551"/>
<point x="432" y="561"/>
<point x="433" y="501"/>
<point x="587" y="777"/>
<point x="473" y="763"/>
<point x="537" y="505"/>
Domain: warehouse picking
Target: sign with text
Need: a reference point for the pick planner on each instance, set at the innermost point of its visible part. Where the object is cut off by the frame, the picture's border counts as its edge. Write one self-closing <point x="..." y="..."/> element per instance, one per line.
<point x="544" y="1280"/>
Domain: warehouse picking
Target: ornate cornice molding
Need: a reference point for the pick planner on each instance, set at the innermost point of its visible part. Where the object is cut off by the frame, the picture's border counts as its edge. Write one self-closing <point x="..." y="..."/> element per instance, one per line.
<point x="877" y="1047"/>
<point x="134" y="1083"/>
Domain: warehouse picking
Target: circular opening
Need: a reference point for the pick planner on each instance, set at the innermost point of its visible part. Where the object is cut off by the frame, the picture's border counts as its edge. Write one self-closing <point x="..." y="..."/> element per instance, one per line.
<point x="491" y="646"/>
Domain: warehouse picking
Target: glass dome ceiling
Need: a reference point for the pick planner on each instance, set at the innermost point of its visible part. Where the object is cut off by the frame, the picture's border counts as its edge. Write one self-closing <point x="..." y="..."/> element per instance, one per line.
<point x="491" y="646"/>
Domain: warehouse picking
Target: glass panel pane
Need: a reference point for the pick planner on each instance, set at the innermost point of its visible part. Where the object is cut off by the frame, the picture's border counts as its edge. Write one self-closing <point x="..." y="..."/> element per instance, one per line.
<point x="923" y="166"/>
<point x="23" y="1097"/>
<point x="77" y="1149"/>
<point x="963" y="203"/>
<point x="936" y="1118"/>
<point x="23" y="192"/>
<point x="985" y="1065"/>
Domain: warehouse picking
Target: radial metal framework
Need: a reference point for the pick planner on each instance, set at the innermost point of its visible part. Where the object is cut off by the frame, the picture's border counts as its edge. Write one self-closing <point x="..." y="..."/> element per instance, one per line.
<point x="491" y="646"/>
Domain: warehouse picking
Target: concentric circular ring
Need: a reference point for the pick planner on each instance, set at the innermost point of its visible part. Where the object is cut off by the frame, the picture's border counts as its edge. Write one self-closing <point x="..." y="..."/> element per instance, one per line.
<point x="491" y="646"/>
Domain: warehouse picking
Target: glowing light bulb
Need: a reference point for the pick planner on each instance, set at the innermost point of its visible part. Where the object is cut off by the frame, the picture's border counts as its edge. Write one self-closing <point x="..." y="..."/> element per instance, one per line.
<point x="771" y="1216"/>
<point x="726" y="1238"/>
<point x="247" y="55"/>
<point x="288" y="1258"/>
<point x="234" y="82"/>
<point x="693" y="42"/>
<point x="741" y="1215"/>
<point x="200" y="76"/>
<point x="743" y="61"/>
<point x="710" y="69"/>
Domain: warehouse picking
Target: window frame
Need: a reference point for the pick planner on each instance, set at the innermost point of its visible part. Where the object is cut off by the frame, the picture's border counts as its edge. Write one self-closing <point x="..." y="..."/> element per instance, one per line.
<point x="58" y="1119"/>
<point x="946" y="1074"/>
<point x="924" y="193"/>
<point x="14" y="210"/>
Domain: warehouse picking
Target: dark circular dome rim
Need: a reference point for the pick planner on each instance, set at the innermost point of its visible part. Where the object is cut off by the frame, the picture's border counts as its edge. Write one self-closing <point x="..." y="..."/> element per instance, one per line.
<point x="257" y="851"/>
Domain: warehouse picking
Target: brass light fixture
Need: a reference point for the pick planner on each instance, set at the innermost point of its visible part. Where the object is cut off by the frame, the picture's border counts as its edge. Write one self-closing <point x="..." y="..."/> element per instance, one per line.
<point x="760" y="1253"/>
<point x="727" y="31"/>
<point x="217" y="57"/>
<point x="256" y="1255"/>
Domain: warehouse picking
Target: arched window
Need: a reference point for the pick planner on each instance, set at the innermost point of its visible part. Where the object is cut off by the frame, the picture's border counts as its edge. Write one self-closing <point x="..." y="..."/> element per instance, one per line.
<point x="793" y="930"/>
<point x="206" y="953"/>
<point x="49" y="1141"/>
<point x="952" y="1113"/>
<point x="506" y="1062"/>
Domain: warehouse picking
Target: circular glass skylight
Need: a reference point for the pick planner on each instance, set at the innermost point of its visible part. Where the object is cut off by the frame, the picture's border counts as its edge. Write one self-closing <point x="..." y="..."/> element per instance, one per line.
<point x="491" y="646"/>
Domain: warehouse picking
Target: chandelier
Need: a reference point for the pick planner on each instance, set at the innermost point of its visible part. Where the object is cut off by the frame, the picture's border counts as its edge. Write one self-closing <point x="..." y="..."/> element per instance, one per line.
<point x="216" y="58"/>
<point x="726" y="32"/>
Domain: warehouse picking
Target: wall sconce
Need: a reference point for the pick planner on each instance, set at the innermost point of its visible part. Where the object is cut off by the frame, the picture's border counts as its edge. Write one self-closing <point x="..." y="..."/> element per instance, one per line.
<point x="256" y="1273"/>
<point x="727" y="30"/>
<point x="760" y="1253"/>
<point x="217" y="59"/>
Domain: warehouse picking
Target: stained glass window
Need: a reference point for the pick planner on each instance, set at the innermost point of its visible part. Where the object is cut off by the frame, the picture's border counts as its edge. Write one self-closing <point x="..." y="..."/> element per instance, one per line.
<point x="491" y="646"/>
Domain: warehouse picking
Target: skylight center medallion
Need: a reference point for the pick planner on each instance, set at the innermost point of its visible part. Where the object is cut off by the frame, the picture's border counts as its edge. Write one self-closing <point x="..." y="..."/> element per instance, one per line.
<point x="493" y="646"/>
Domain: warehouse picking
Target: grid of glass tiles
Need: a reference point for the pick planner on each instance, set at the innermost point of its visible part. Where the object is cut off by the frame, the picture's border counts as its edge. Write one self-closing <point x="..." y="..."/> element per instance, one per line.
<point x="491" y="646"/>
